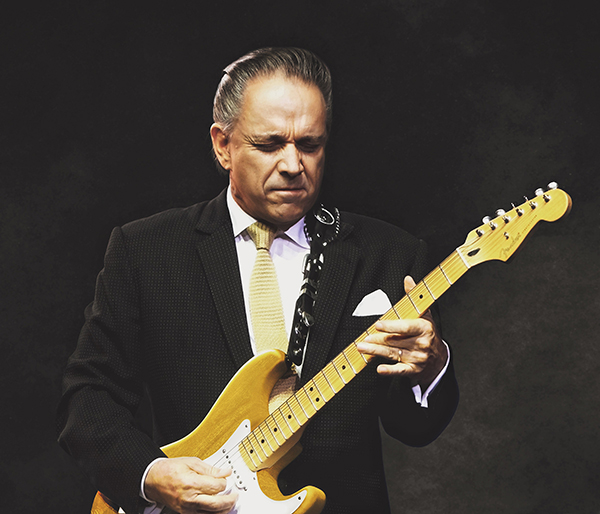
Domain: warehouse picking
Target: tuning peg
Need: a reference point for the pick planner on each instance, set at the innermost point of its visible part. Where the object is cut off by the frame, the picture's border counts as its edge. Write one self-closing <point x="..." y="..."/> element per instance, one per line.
<point x="488" y="220"/>
<point x="552" y="185"/>
<point x="500" y="212"/>
<point x="539" y="191"/>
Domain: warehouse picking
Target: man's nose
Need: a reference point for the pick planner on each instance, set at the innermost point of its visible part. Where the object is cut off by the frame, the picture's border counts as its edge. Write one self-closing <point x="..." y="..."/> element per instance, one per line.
<point x="291" y="161"/>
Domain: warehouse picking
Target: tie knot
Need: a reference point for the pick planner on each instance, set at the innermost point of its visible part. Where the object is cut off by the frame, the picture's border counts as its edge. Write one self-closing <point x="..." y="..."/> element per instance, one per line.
<point x="262" y="235"/>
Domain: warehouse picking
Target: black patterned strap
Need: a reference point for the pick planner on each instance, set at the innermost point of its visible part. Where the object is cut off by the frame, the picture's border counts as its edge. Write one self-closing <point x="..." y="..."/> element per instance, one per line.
<point x="321" y="229"/>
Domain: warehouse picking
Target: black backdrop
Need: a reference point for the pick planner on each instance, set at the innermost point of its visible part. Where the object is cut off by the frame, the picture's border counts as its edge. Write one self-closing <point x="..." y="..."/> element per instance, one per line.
<point x="444" y="112"/>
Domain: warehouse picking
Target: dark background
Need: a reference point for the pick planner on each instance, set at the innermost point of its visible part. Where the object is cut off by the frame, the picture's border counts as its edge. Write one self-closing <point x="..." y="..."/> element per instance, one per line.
<point x="444" y="112"/>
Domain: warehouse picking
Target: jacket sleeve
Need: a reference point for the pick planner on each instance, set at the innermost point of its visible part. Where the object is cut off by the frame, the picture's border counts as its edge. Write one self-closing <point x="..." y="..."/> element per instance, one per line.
<point x="401" y="416"/>
<point x="103" y="386"/>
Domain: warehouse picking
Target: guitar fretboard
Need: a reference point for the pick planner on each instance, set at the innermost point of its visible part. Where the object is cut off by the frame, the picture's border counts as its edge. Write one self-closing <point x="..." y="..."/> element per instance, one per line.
<point x="299" y="408"/>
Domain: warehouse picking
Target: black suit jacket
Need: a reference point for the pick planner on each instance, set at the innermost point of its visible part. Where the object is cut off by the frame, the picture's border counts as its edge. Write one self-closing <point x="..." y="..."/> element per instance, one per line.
<point x="168" y="318"/>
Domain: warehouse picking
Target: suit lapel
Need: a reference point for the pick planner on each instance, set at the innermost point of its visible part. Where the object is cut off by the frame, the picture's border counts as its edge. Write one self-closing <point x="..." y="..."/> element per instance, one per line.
<point x="219" y="258"/>
<point x="340" y="260"/>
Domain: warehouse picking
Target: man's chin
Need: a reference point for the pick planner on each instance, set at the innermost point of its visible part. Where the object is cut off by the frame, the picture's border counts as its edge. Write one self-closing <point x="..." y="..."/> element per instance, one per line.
<point x="287" y="215"/>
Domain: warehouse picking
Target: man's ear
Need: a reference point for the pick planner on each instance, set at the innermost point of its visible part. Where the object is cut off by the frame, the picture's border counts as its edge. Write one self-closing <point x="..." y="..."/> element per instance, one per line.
<point x="220" y="144"/>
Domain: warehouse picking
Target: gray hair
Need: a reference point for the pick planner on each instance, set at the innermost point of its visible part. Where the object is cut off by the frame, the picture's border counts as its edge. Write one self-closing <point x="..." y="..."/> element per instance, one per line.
<point x="292" y="62"/>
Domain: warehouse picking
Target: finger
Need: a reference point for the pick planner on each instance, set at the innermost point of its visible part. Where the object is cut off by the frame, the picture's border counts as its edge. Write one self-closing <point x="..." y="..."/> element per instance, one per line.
<point x="404" y="327"/>
<point x="392" y="353"/>
<point x="409" y="283"/>
<point x="211" y="485"/>
<point x="203" y="468"/>
<point x="394" y="369"/>
<point x="214" y="504"/>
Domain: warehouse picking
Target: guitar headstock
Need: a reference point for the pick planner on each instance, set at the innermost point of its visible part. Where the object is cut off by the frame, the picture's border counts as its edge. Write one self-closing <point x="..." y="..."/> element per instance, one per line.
<point x="499" y="238"/>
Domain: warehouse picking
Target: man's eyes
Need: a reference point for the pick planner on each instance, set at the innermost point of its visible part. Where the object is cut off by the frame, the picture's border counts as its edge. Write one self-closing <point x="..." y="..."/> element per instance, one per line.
<point x="308" y="147"/>
<point x="267" y="147"/>
<point x="273" y="147"/>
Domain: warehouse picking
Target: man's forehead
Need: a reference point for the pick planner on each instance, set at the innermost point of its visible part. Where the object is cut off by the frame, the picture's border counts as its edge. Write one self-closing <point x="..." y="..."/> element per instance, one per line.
<point x="282" y="108"/>
<point x="275" y="88"/>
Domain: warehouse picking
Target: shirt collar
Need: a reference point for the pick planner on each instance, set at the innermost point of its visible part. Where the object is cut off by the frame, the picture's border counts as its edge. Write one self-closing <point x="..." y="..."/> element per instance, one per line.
<point x="241" y="220"/>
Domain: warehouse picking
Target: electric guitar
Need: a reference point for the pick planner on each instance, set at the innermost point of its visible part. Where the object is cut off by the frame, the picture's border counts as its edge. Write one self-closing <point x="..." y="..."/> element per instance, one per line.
<point x="239" y="432"/>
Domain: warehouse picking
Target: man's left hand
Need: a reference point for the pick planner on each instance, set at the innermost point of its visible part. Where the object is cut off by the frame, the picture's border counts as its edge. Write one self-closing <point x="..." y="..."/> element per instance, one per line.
<point x="413" y="345"/>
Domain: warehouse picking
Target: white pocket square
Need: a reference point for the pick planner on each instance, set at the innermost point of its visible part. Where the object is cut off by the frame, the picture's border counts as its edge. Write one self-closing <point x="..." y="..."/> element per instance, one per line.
<point x="374" y="304"/>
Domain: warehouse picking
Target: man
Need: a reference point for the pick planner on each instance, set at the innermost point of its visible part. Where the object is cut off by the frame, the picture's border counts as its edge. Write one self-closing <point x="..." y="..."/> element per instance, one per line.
<point x="172" y="314"/>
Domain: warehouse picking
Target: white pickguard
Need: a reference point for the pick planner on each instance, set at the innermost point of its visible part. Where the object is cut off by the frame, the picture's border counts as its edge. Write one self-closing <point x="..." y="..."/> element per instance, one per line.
<point x="251" y="500"/>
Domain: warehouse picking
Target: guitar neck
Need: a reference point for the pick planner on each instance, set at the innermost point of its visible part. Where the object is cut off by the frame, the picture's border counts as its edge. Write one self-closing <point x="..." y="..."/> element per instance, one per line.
<point x="497" y="238"/>
<point x="295" y="413"/>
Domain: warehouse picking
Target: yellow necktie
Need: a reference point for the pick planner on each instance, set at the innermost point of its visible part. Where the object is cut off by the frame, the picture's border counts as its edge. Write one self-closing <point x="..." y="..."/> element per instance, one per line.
<point x="266" y="310"/>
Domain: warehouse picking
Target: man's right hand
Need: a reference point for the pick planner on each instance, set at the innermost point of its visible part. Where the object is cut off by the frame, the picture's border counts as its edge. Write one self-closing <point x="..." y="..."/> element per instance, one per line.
<point x="188" y="484"/>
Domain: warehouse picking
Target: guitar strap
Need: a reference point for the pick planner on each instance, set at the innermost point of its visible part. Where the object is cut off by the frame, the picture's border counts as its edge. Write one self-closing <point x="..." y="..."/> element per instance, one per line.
<point x="322" y="227"/>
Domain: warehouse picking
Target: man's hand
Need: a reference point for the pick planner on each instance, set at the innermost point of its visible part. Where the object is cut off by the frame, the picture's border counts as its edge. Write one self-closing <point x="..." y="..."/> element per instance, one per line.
<point x="187" y="484"/>
<point x="413" y="345"/>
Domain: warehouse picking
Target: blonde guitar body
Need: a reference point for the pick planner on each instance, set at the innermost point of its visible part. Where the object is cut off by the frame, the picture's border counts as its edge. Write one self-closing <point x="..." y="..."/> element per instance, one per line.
<point x="240" y="408"/>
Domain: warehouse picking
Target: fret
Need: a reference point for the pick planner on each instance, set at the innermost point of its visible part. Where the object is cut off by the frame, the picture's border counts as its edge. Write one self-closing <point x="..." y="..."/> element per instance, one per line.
<point x="349" y="361"/>
<point x="306" y="403"/>
<point x="437" y="282"/>
<point x="324" y="374"/>
<point x="424" y="282"/>
<point x="275" y="431"/>
<point x="323" y="386"/>
<point x="313" y="393"/>
<point x="453" y="267"/>
<point x="333" y="377"/>
<point x="421" y="297"/>
<point x="413" y="304"/>
<point x="343" y="368"/>
<point x="392" y="314"/>
<point x="248" y="452"/>
<point x="284" y="426"/>
<point x="356" y="359"/>
<point x="297" y="409"/>
<point x="445" y="276"/>
<point x="254" y="441"/>
<point x="266" y="439"/>
<point x="290" y="418"/>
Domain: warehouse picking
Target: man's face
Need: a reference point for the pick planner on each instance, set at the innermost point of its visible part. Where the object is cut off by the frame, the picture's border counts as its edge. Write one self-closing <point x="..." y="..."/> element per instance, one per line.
<point x="275" y="153"/>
